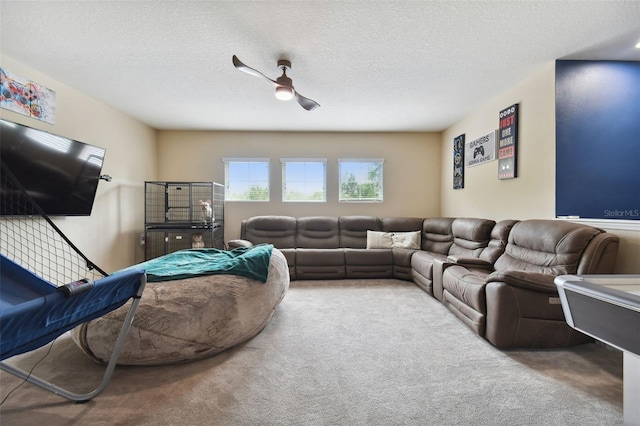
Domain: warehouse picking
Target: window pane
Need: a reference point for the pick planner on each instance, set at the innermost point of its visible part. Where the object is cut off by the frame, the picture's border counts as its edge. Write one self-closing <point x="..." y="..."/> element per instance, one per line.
<point x="247" y="180"/>
<point x="361" y="180"/>
<point x="303" y="181"/>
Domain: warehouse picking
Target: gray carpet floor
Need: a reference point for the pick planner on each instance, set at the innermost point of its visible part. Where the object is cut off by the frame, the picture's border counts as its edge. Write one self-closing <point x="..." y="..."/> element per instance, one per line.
<point x="350" y="352"/>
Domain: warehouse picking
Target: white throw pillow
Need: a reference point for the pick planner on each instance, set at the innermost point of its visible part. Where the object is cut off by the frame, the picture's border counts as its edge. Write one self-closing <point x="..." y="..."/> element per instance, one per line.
<point x="408" y="240"/>
<point x="376" y="240"/>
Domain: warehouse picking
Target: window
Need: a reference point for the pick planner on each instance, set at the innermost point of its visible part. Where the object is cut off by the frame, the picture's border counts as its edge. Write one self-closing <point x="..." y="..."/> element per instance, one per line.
<point x="304" y="180"/>
<point x="360" y="179"/>
<point x="246" y="179"/>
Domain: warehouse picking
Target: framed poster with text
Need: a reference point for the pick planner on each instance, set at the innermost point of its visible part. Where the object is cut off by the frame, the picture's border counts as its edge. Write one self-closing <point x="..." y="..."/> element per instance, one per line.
<point x="480" y="150"/>
<point x="508" y="143"/>
<point x="458" y="162"/>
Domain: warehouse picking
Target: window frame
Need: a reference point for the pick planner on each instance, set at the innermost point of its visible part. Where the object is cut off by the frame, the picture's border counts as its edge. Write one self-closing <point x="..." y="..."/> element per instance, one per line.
<point x="285" y="161"/>
<point x="380" y="180"/>
<point x="248" y="182"/>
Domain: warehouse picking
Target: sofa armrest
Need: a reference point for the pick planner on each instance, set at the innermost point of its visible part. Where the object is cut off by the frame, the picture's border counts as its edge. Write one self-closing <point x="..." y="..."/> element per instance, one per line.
<point x="437" y="287"/>
<point x="239" y="243"/>
<point x="535" y="281"/>
<point x="471" y="262"/>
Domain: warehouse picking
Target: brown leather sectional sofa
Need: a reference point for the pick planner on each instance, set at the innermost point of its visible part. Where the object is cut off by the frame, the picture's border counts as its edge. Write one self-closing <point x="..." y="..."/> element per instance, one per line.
<point x="496" y="277"/>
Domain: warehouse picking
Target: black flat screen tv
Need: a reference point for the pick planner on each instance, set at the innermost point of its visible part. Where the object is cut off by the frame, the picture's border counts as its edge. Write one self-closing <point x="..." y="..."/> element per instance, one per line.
<point x="60" y="174"/>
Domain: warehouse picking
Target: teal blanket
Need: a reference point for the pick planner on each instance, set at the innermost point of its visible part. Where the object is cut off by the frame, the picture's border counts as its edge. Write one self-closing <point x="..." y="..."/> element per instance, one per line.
<point x="250" y="262"/>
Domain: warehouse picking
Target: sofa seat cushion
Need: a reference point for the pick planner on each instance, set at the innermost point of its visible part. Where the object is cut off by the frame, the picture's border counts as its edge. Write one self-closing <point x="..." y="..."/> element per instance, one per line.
<point x="290" y="256"/>
<point x="402" y="256"/>
<point x="368" y="257"/>
<point x="368" y="263"/>
<point x="402" y="263"/>
<point x="318" y="264"/>
<point x="422" y="262"/>
<point x="466" y="285"/>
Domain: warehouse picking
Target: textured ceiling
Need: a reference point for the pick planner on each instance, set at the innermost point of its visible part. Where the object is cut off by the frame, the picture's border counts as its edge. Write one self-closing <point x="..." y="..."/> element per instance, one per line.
<point x="372" y="65"/>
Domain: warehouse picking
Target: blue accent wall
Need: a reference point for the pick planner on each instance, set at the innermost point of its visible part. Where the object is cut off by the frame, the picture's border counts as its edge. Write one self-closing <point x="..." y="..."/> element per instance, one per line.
<point x="598" y="139"/>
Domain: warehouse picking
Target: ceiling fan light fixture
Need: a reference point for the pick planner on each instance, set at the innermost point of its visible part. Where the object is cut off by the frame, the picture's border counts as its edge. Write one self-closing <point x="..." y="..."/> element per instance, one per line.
<point x="284" y="93"/>
<point x="283" y="84"/>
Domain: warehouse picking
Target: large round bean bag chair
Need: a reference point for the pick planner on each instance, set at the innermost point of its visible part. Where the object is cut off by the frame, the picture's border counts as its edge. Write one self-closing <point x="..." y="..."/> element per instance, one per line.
<point x="188" y="319"/>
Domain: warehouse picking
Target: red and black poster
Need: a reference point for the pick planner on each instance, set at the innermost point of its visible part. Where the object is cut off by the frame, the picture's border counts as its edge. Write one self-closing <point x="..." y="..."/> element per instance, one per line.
<point x="458" y="162"/>
<point x="508" y="143"/>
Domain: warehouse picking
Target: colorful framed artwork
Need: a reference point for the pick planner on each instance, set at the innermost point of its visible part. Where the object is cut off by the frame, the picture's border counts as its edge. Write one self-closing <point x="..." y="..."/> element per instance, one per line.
<point x="25" y="97"/>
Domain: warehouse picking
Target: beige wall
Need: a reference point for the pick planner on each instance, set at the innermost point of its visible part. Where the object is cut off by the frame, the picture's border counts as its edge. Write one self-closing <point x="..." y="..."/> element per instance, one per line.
<point x="532" y="193"/>
<point x="411" y="169"/>
<point x="110" y="236"/>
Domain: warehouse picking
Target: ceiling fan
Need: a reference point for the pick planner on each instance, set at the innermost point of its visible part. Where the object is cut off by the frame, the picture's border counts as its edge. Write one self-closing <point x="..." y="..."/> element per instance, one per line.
<point x="283" y="84"/>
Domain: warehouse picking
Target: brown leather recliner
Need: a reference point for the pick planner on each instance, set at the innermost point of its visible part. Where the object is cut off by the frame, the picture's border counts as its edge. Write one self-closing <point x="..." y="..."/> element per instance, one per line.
<point x="514" y="302"/>
<point x="468" y="302"/>
<point x="468" y="236"/>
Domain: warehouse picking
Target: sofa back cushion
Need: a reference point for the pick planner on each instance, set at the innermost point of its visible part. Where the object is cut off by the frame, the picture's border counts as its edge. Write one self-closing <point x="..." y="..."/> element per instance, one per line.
<point x="437" y="236"/>
<point x="546" y="246"/>
<point x="277" y="230"/>
<point x="401" y="224"/>
<point x="318" y="232"/>
<point x="600" y="255"/>
<point x="499" y="240"/>
<point x="470" y="236"/>
<point x="353" y="230"/>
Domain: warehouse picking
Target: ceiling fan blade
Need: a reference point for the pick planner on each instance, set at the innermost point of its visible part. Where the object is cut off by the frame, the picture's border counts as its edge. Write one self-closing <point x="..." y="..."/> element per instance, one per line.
<point x="306" y="103"/>
<point x="242" y="67"/>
